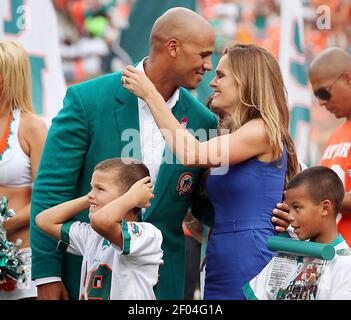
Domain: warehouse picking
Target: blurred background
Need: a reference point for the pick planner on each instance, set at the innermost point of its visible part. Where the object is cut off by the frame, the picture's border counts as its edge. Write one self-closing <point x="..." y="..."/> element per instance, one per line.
<point x="95" y="36"/>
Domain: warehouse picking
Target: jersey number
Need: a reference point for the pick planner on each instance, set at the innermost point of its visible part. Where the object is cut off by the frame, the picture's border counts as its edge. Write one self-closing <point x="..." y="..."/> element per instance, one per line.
<point x="99" y="286"/>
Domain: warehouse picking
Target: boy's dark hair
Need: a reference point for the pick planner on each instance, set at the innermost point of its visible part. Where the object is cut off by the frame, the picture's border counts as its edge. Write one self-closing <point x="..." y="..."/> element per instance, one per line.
<point x="322" y="183"/>
<point x="125" y="171"/>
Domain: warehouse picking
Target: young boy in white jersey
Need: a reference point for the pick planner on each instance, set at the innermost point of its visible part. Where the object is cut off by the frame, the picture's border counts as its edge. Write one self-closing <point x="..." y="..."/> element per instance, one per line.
<point x="314" y="197"/>
<point x="121" y="257"/>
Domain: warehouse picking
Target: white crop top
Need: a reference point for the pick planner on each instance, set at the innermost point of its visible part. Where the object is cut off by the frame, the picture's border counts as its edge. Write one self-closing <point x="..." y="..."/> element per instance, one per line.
<point x="15" y="166"/>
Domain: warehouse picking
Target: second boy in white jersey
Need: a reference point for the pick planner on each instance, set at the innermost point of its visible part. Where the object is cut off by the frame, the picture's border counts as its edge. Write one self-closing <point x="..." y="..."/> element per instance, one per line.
<point x="314" y="197"/>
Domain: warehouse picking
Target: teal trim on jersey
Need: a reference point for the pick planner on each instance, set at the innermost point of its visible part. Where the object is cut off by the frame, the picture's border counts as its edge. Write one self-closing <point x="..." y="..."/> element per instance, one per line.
<point x="126" y="238"/>
<point x="106" y="243"/>
<point x="62" y="246"/>
<point x="64" y="235"/>
<point x="338" y="240"/>
<point x="248" y="292"/>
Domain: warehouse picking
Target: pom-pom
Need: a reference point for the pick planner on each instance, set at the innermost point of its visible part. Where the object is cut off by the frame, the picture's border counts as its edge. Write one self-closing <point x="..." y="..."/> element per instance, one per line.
<point x="14" y="263"/>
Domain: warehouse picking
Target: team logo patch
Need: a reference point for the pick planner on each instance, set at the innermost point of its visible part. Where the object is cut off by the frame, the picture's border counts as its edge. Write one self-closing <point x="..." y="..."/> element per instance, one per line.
<point x="184" y="122"/>
<point x="136" y="230"/>
<point x="185" y="183"/>
<point x="343" y="252"/>
<point x="105" y="243"/>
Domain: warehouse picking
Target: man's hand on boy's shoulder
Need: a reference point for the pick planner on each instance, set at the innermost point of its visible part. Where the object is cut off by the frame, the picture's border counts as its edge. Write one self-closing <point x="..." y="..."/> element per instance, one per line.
<point x="280" y="217"/>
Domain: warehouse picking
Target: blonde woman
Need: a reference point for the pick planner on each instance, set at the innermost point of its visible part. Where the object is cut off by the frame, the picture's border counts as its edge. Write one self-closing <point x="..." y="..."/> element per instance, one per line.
<point x="22" y="139"/>
<point x="257" y="150"/>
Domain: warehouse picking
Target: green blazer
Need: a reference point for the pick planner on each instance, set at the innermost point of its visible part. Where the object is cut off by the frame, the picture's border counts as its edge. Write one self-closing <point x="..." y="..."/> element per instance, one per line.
<point x="100" y="120"/>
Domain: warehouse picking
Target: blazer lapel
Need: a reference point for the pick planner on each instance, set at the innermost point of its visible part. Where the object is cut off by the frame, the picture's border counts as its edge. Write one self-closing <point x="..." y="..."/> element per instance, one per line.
<point x="127" y="118"/>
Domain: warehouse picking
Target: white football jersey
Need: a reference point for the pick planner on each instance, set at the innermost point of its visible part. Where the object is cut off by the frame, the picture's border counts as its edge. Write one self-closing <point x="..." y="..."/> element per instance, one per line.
<point x="109" y="272"/>
<point x="334" y="283"/>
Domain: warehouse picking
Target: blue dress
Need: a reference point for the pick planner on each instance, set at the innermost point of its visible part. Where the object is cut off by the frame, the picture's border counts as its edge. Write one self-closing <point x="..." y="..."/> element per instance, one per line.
<point x="243" y="200"/>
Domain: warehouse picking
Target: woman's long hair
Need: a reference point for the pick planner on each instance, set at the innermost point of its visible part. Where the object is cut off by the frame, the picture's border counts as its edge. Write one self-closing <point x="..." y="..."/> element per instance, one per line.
<point x="15" y="77"/>
<point x="262" y="94"/>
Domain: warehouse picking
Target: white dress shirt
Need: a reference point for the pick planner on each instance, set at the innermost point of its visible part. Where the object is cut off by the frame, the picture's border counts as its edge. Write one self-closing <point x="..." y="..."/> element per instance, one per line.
<point x="151" y="140"/>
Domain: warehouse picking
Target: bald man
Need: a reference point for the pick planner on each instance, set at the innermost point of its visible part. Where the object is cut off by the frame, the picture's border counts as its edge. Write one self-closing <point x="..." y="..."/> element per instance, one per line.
<point x="100" y="119"/>
<point x="330" y="76"/>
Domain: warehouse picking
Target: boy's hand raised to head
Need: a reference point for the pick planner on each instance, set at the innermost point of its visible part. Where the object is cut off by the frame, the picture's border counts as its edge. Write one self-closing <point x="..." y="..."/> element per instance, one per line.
<point x="141" y="192"/>
<point x="280" y="217"/>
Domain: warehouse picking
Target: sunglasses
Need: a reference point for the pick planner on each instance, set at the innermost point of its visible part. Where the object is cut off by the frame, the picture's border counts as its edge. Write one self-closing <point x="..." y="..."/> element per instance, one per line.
<point x="324" y="93"/>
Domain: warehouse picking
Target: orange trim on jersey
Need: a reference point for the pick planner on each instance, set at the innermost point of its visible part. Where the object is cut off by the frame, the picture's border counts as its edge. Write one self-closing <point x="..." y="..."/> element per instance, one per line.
<point x="337" y="156"/>
<point x="4" y="139"/>
<point x="86" y="272"/>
